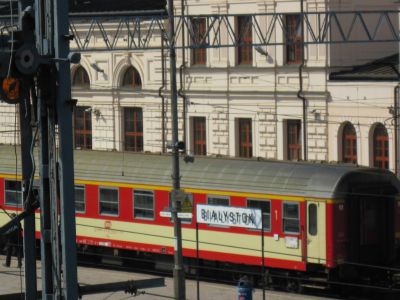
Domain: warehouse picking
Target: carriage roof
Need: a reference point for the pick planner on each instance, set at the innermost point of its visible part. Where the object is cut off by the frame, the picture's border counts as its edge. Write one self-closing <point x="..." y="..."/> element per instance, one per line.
<point x="319" y="180"/>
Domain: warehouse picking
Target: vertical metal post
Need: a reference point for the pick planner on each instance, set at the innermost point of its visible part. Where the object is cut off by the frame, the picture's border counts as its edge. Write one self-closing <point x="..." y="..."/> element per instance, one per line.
<point x="27" y="169"/>
<point x="179" y="275"/>
<point x="45" y="222"/>
<point x="396" y="130"/>
<point x="262" y="255"/>
<point x="45" y="83"/>
<point x="29" y="221"/>
<point x="197" y="261"/>
<point x="66" y="161"/>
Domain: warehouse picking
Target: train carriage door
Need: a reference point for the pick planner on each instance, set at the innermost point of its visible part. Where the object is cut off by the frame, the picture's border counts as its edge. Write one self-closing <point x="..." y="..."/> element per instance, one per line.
<point x="316" y="241"/>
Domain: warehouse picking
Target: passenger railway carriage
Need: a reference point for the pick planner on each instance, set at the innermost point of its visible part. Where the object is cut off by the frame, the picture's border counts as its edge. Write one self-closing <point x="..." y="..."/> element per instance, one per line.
<point x="315" y="216"/>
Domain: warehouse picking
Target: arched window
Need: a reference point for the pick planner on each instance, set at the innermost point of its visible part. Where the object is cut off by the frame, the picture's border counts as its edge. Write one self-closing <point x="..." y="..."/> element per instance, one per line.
<point x="381" y="147"/>
<point x="349" y="144"/>
<point x="132" y="79"/>
<point x="81" y="78"/>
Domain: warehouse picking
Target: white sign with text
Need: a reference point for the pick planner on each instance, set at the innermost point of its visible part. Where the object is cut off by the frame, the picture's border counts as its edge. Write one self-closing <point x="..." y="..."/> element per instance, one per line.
<point x="229" y="216"/>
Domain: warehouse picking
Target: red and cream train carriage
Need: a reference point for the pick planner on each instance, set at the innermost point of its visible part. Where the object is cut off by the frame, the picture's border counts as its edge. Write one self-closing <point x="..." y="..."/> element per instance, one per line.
<point x="316" y="216"/>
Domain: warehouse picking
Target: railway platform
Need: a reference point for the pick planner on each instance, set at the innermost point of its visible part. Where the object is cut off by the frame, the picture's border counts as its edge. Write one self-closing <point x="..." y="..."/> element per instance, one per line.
<point x="12" y="282"/>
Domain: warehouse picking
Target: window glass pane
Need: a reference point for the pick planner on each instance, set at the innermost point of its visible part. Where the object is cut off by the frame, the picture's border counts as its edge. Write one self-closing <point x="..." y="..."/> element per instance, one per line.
<point x="109" y="202"/>
<point x="13" y="193"/>
<point x="199" y="136"/>
<point x="245" y="36"/>
<point x="291" y="219"/>
<point x="133" y="121"/>
<point x="294" y="45"/>
<point x="83" y="127"/>
<point x="245" y="138"/>
<point x="199" y="55"/>
<point x="290" y="210"/>
<point x="143" y="203"/>
<point x="220" y="201"/>
<point x="291" y="226"/>
<point x="132" y="78"/>
<point x="81" y="78"/>
<point x="80" y="198"/>
<point x="293" y="136"/>
<point x="265" y="207"/>
<point x="312" y="219"/>
<point x="212" y="200"/>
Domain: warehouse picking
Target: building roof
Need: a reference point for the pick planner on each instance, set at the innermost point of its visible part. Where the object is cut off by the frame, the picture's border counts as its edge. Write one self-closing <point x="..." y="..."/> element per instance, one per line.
<point x="302" y="179"/>
<point x="383" y="69"/>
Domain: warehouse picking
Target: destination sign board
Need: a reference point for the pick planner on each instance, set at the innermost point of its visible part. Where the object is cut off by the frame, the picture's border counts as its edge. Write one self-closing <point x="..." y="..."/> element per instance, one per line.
<point x="229" y="216"/>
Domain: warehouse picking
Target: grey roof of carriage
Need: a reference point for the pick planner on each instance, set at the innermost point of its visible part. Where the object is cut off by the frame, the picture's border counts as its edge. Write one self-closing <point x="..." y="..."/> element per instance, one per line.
<point x="240" y="175"/>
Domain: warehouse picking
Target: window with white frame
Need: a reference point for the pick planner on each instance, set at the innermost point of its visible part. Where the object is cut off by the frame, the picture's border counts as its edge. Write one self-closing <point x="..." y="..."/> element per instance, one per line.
<point x="108" y="201"/>
<point x="291" y="218"/>
<point x="265" y="207"/>
<point x="143" y="204"/>
<point x="80" y="206"/>
<point x="13" y="193"/>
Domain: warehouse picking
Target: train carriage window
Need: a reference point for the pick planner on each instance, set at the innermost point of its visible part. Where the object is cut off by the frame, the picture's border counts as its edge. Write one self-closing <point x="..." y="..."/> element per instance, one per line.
<point x="312" y="219"/>
<point x="109" y="202"/>
<point x="218" y="200"/>
<point x="265" y="207"/>
<point x="143" y="204"/>
<point x="291" y="218"/>
<point x="13" y="193"/>
<point x="80" y="206"/>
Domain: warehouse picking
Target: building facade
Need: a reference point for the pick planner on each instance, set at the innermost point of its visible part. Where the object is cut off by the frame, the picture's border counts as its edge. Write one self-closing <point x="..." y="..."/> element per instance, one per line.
<point x="270" y="101"/>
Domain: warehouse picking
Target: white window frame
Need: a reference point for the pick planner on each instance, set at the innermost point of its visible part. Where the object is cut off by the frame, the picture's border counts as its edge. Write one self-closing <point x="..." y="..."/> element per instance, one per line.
<point x="290" y="218"/>
<point x="82" y="187"/>
<point x="147" y="194"/>
<point x="108" y="188"/>
<point x="262" y="213"/>
<point x="19" y="193"/>
<point x="218" y="197"/>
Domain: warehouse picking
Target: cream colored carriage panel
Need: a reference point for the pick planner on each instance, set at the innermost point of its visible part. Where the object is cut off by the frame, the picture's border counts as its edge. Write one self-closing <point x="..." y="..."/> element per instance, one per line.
<point x="316" y="243"/>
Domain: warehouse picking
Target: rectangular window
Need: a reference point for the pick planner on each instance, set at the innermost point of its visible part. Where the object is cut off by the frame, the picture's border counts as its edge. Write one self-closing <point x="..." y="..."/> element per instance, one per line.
<point x="312" y="219"/>
<point x="199" y="136"/>
<point x="133" y="129"/>
<point x="13" y="193"/>
<point x="83" y="127"/>
<point x="218" y="200"/>
<point x="245" y="138"/>
<point x="143" y="204"/>
<point x="109" y="202"/>
<point x="294" y="41"/>
<point x="199" y="55"/>
<point x="291" y="218"/>
<point x="293" y="135"/>
<point x="80" y="199"/>
<point x="244" y="36"/>
<point x="265" y="207"/>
